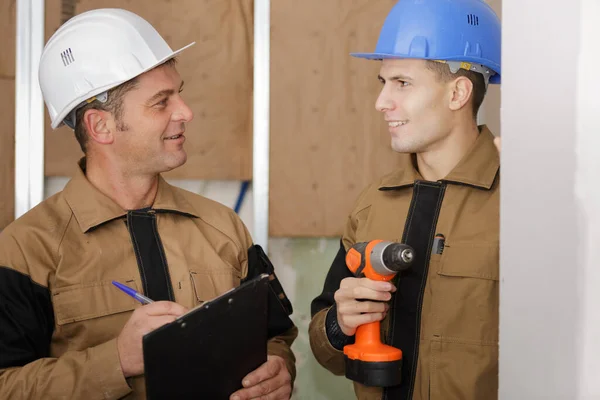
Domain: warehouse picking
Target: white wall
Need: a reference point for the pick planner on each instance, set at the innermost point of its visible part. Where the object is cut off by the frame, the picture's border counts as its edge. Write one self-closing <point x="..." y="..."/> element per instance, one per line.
<point x="588" y="197"/>
<point x="550" y="222"/>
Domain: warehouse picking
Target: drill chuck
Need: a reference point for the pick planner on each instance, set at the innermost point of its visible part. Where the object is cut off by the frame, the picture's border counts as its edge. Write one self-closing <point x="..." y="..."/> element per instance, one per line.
<point x="389" y="258"/>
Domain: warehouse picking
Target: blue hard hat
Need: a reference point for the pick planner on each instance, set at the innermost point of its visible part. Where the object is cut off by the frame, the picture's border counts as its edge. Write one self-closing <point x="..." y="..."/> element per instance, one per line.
<point x="446" y="30"/>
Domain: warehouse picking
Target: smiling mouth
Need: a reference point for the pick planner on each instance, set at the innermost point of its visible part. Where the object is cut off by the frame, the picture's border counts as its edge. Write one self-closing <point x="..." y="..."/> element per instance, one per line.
<point x="395" y="124"/>
<point x="174" y="137"/>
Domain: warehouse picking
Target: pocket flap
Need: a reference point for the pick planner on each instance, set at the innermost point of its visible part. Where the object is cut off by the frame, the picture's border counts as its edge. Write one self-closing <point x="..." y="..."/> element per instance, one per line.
<point x="210" y="283"/>
<point x="81" y="302"/>
<point x="471" y="260"/>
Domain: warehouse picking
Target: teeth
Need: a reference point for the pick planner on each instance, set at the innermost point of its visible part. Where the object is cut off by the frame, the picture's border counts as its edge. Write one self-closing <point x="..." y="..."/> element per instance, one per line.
<point x="174" y="137"/>
<point x="395" y="124"/>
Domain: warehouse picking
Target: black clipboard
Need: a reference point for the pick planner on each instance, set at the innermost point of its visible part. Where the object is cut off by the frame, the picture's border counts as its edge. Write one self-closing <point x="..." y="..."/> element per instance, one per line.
<point x="207" y="352"/>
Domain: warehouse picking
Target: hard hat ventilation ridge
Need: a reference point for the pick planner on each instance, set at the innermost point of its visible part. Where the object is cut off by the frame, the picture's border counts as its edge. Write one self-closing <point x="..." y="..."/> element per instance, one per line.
<point x="67" y="57"/>
<point x="473" y="19"/>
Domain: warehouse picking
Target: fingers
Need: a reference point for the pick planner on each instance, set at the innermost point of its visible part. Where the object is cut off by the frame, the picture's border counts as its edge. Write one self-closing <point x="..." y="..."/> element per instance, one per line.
<point x="277" y="385"/>
<point x="380" y="286"/>
<point x="158" y="321"/>
<point x="351" y="313"/>
<point x="164" y="308"/>
<point x="364" y="289"/>
<point x="260" y="390"/>
<point x="354" y="321"/>
<point x="359" y="307"/>
<point x="283" y="393"/>
<point x="362" y="293"/>
<point x="266" y="371"/>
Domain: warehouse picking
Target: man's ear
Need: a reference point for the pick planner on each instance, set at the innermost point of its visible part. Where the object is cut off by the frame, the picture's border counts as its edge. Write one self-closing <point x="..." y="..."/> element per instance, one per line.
<point x="98" y="126"/>
<point x="462" y="91"/>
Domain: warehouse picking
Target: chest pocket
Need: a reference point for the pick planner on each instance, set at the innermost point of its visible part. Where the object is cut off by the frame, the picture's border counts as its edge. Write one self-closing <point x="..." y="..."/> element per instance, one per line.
<point x="468" y="290"/>
<point x="92" y="313"/>
<point x="473" y="260"/>
<point x="208" y="283"/>
<point x="82" y="302"/>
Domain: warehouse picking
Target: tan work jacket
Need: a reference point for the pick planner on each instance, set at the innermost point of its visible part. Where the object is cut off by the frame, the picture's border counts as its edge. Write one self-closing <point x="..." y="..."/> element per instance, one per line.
<point x="59" y="313"/>
<point x="444" y="316"/>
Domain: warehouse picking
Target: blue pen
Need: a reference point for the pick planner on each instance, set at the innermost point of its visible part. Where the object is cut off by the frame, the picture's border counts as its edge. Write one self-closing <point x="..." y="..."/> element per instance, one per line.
<point x="138" y="296"/>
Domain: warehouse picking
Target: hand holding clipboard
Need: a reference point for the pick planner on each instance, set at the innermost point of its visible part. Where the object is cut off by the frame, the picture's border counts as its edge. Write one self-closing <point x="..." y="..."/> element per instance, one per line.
<point x="208" y="351"/>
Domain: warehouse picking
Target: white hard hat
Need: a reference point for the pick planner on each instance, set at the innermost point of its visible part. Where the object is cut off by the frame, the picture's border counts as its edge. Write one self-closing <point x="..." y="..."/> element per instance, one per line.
<point x="94" y="52"/>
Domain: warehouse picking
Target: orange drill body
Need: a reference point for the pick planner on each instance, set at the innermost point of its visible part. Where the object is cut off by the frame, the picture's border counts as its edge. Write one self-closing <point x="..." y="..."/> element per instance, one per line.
<point x="354" y="259"/>
<point x="368" y="360"/>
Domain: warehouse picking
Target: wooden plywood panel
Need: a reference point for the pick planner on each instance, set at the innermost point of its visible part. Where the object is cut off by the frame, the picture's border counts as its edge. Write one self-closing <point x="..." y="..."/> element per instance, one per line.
<point x="491" y="104"/>
<point x="327" y="140"/>
<point x="8" y="26"/>
<point x="61" y="150"/>
<point x="218" y="83"/>
<point x="7" y="152"/>
<point x="7" y="105"/>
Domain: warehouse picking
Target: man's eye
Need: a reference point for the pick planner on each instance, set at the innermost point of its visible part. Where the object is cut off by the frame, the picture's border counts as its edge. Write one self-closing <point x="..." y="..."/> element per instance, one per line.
<point x="403" y="83"/>
<point x="162" y="103"/>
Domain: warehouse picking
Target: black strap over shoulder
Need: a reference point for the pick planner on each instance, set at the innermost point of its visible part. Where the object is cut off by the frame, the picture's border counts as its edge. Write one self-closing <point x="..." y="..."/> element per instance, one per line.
<point x="280" y="307"/>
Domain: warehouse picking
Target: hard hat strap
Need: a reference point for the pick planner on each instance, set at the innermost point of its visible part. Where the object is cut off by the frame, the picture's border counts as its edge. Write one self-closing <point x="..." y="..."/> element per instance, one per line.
<point x="482" y="69"/>
<point x="71" y="117"/>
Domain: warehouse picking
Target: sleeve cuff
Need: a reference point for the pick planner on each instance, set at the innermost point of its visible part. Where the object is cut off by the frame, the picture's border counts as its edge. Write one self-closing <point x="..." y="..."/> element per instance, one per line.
<point x="281" y="346"/>
<point x="336" y="337"/>
<point x="328" y="356"/>
<point x="106" y="367"/>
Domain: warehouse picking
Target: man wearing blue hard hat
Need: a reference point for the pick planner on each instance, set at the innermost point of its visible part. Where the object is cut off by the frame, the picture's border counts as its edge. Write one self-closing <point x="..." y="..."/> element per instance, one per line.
<point x="437" y="59"/>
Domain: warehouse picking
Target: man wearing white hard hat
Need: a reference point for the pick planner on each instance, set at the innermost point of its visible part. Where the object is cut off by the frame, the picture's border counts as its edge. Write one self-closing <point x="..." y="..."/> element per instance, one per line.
<point x="437" y="59"/>
<point x="65" y="331"/>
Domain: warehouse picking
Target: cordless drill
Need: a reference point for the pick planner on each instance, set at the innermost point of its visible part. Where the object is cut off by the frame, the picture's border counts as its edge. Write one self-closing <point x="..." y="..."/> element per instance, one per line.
<point x="369" y="361"/>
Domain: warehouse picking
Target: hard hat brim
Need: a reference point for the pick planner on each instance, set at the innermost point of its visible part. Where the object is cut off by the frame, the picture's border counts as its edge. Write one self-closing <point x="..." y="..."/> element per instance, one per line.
<point x="60" y="118"/>
<point x="374" y="56"/>
<point x="495" y="79"/>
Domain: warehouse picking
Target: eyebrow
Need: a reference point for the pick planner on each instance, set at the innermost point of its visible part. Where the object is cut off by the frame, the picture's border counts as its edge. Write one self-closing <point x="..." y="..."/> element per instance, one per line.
<point x="163" y="93"/>
<point x="395" y="78"/>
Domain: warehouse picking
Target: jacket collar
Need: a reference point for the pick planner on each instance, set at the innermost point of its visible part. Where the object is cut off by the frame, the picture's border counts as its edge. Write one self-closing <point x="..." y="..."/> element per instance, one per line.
<point x="92" y="208"/>
<point x="478" y="168"/>
<point x="406" y="174"/>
